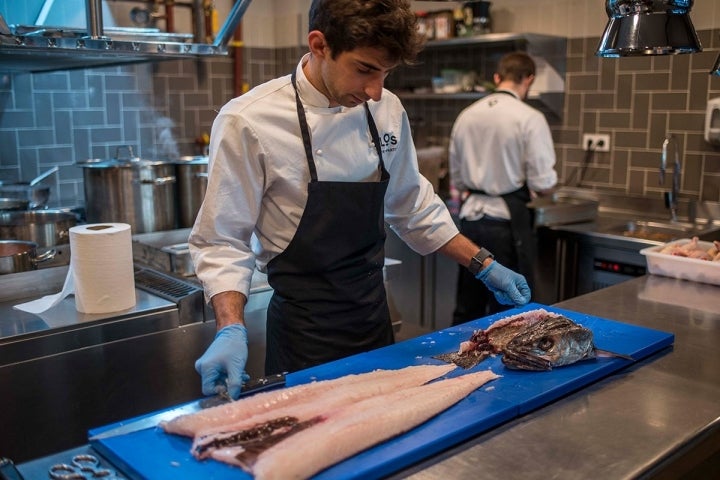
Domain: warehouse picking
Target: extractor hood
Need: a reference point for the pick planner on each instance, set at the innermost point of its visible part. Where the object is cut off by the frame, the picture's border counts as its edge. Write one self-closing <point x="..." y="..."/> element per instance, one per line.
<point x="43" y="48"/>
<point x="648" y="27"/>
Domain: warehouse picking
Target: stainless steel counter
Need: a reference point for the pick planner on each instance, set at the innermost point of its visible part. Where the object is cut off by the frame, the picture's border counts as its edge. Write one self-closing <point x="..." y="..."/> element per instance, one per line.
<point x="657" y="419"/>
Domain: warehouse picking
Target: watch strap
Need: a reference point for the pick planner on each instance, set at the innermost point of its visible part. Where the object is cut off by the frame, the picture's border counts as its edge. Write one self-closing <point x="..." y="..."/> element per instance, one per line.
<point x="476" y="262"/>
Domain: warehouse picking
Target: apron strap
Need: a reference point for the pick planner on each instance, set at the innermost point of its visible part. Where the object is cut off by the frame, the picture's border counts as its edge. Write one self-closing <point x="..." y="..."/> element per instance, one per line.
<point x="305" y="131"/>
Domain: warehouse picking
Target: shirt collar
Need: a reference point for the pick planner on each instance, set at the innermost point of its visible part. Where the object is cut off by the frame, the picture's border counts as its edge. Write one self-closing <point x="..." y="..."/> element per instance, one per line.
<point x="310" y="95"/>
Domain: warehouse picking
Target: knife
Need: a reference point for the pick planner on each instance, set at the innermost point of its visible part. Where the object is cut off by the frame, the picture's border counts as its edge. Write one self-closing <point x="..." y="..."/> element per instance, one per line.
<point x="152" y="420"/>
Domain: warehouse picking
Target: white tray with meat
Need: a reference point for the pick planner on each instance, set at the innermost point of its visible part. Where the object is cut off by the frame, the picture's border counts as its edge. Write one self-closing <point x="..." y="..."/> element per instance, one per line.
<point x="687" y="259"/>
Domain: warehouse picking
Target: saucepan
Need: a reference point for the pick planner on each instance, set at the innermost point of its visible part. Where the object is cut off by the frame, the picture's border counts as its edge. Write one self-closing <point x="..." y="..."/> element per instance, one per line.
<point x="21" y="256"/>
<point x="33" y="192"/>
<point x="45" y="227"/>
<point x="36" y="195"/>
<point x="12" y="204"/>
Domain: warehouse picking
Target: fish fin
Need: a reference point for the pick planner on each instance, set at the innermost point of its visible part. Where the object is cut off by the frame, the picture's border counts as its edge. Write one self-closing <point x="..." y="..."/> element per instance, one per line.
<point x="600" y="353"/>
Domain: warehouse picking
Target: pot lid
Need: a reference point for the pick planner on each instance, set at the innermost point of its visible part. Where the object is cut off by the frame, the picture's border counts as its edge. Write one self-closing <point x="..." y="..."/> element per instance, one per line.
<point x="130" y="160"/>
<point x="193" y="160"/>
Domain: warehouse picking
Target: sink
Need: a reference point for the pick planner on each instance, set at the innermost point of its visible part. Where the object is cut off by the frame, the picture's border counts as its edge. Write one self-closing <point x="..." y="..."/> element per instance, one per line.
<point x="660" y="231"/>
<point x="563" y="208"/>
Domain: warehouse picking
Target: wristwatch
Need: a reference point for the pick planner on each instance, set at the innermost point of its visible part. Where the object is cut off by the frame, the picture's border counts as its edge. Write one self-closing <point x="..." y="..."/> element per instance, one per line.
<point x="476" y="262"/>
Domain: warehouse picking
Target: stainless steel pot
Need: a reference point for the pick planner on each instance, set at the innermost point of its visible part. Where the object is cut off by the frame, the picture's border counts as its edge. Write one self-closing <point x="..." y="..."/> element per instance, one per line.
<point x="192" y="174"/>
<point x="44" y="227"/>
<point x="10" y="204"/>
<point x="20" y="256"/>
<point x="36" y="195"/>
<point x="131" y="190"/>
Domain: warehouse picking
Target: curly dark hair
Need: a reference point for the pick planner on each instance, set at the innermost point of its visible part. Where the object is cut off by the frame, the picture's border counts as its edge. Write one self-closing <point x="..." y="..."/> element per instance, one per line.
<point x="349" y="24"/>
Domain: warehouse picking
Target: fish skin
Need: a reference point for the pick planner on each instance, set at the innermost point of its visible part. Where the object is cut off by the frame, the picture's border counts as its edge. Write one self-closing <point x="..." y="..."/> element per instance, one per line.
<point x="492" y="340"/>
<point x="192" y="424"/>
<point x="519" y="338"/>
<point x="358" y="426"/>
<point x="552" y="342"/>
<point x="331" y="399"/>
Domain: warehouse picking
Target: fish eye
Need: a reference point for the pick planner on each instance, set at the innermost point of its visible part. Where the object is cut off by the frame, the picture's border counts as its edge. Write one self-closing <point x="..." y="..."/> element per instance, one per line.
<point x="546" y="343"/>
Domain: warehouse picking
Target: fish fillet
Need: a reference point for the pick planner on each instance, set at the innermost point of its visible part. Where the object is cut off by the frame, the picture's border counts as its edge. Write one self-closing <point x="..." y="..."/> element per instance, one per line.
<point x="306" y="448"/>
<point x="215" y="418"/>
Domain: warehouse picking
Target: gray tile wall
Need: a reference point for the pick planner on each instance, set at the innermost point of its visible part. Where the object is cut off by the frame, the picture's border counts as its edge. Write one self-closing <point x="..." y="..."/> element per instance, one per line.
<point x="59" y="118"/>
<point x="638" y="101"/>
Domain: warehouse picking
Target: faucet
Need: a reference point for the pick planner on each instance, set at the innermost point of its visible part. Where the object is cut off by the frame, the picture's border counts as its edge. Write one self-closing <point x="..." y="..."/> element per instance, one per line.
<point x="671" y="198"/>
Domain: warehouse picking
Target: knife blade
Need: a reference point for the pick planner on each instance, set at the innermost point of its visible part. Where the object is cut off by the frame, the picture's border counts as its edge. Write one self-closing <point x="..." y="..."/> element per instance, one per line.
<point x="152" y="420"/>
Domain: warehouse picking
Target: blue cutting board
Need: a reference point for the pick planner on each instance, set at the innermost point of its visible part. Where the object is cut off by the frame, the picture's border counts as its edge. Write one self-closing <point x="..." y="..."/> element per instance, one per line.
<point x="153" y="455"/>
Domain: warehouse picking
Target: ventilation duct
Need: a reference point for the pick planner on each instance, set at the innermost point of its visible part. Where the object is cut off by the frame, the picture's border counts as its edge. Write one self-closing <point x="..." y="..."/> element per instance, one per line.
<point x="648" y="27"/>
<point x="42" y="48"/>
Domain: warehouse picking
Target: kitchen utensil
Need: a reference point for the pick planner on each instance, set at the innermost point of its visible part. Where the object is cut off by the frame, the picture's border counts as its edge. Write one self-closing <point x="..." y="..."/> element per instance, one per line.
<point x="43" y="176"/>
<point x="131" y="190"/>
<point x="44" y="227"/>
<point x="152" y="420"/>
<point x="37" y="195"/>
<point x="21" y="256"/>
<point x="192" y="174"/>
<point x="11" y="204"/>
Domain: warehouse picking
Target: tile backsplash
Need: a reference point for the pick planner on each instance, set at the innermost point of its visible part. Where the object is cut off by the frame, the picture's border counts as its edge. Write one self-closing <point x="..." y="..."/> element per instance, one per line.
<point x="60" y="118"/>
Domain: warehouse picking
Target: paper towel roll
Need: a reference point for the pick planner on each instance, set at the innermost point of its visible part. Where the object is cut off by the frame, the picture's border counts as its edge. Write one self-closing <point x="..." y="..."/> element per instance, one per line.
<point x="101" y="261"/>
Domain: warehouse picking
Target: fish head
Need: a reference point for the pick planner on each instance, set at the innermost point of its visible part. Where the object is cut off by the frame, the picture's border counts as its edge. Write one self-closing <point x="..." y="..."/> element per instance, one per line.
<point x="552" y="342"/>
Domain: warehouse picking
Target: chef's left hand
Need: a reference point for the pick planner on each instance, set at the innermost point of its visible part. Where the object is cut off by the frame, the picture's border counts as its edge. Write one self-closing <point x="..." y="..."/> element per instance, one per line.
<point x="509" y="288"/>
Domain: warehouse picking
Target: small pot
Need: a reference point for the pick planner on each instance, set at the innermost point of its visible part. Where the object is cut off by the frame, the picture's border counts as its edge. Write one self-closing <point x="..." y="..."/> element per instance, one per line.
<point x="36" y="195"/>
<point x="13" y="204"/>
<point x="44" y="227"/>
<point x="20" y="256"/>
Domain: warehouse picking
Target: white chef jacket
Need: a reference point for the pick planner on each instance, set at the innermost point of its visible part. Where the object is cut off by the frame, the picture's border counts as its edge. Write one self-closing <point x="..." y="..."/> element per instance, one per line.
<point x="258" y="178"/>
<point x="497" y="144"/>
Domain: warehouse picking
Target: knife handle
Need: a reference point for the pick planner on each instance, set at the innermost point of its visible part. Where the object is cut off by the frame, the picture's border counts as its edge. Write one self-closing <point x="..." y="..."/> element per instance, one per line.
<point x="8" y="470"/>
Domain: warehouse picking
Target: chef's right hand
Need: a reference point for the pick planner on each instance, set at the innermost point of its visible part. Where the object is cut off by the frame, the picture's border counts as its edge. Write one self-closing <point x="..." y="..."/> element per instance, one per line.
<point x="223" y="363"/>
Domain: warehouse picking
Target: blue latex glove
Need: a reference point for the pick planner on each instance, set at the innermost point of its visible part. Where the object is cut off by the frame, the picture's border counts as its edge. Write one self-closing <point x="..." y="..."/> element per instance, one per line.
<point x="509" y="288"/>
<point x="222" y="366"/>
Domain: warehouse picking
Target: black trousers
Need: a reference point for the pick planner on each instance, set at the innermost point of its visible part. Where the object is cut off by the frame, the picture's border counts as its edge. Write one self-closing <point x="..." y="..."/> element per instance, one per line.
<point x="473" y="300"/>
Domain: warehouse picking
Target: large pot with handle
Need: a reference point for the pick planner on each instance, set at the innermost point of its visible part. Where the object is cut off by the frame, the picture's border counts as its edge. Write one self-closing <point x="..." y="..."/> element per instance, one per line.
<point x="20" y="256"/>
<point x="132" y="190"/>
<point x="44" y="227"/>
<point x="192" y="174"/>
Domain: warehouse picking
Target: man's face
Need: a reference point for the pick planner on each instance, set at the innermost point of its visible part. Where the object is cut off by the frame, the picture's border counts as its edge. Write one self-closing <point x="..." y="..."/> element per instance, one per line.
<point x="355" y="76"/>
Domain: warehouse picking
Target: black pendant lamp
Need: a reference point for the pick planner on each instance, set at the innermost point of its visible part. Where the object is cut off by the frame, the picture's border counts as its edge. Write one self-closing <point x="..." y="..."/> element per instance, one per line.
<point x="716" y="68"/>
<point x="648" y="27"/>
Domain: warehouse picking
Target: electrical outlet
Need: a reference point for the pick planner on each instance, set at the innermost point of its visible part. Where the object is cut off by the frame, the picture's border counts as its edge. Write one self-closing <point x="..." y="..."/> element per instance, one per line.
<point x="599" y="142"/>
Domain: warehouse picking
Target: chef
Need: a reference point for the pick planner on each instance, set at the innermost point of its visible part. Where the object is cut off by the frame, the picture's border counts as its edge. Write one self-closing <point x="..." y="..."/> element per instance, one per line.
<point x="304" y="173"/>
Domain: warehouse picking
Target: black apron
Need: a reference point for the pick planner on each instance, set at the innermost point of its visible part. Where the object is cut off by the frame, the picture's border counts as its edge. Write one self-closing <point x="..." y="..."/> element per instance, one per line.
<point x="329" y="298"/>
<point x="522" y="227"/>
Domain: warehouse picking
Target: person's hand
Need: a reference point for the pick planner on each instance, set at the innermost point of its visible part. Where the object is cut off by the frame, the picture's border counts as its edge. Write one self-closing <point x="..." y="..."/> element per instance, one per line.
<point x="222" y="366"/>
<point x="509" y="288"/>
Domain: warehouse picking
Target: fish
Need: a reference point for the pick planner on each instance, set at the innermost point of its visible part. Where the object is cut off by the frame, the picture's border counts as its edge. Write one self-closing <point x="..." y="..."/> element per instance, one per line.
<point x="193" y="424"/>
<point x="331" y="398"/>
<point x="299" y="447"/>
<point x="551" y="342"/>
<point x="492" y="341"/>
<point x="536" y="340"/>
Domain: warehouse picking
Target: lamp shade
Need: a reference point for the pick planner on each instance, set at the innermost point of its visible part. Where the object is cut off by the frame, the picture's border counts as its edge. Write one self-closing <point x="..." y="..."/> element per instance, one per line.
<point x="648" y="27"/>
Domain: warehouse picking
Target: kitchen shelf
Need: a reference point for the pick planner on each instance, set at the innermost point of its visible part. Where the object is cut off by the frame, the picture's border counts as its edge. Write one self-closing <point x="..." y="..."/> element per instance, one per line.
<point x="480" y="54"/>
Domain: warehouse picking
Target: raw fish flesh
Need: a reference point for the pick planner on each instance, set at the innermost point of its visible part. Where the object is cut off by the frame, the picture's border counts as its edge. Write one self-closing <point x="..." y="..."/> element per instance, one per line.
<point x="233" y="412"/>
<point x="299" y="448"/>
<point x="331" y="399"/>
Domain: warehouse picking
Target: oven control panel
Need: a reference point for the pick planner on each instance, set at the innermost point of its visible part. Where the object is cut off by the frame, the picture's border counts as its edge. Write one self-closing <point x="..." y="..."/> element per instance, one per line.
<point x="618" y="267"/>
